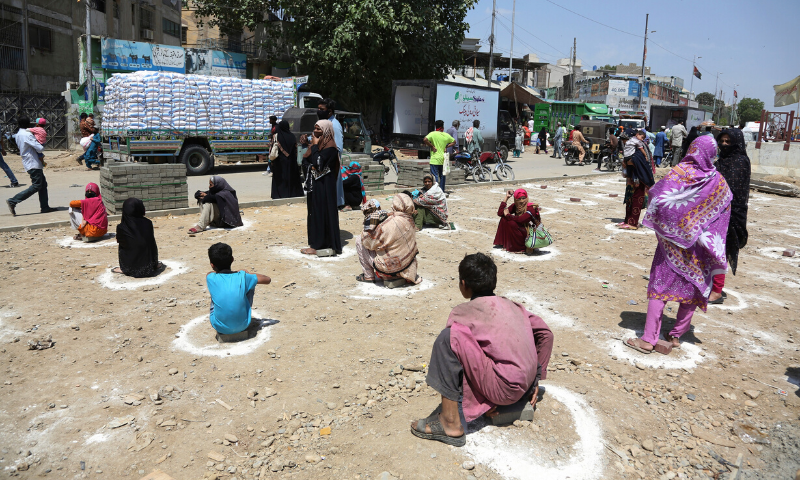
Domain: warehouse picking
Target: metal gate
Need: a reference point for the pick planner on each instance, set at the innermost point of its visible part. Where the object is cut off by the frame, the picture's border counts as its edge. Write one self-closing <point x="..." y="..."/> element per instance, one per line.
<point x="52" y="107"/>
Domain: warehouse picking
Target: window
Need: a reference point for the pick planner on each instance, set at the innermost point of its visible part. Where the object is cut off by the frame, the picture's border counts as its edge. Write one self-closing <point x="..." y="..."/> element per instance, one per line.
<point x="99" y="5"/>
<point x="171" y="28"/>
<point x="145" y="18"/>
<point x="40" y="38"/>
<point x="184" y="33"/>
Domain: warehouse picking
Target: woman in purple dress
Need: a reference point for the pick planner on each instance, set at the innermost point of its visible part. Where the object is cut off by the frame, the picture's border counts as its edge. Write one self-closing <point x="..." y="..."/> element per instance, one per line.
<point x="689" y="211"/>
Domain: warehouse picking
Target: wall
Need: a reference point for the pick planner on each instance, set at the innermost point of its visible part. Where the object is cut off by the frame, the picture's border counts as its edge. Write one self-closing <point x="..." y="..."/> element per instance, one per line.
<point x="770" y="159"/>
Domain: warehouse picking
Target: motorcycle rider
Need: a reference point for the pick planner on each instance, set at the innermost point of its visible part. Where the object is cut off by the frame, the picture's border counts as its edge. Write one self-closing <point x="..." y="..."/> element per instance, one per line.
<point x="557" y="139"/>
<point x="577" y="141"/>
<point x="610" y="146"/>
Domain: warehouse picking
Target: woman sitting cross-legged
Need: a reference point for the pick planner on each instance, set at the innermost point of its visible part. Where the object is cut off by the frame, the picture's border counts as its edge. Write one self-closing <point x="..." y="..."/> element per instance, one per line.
<point x="219" y="206"/>
<point x="138" y="252"/>
<point x="431" y="205"/>
<point x="387" y="248"/>
<point x="515" y="220"/>
<point x="493" y="352"/>
<point x="88" y="216"/>
<point x="354" y="192"/>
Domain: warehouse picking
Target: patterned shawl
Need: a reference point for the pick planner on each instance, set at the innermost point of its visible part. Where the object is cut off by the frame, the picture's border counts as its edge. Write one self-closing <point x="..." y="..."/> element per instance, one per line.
<point x="734" y="165"/>
<point x="394" y="240"/>
<point x="689" y="211"/>
<point x="373" y="215"/>
<point x="434" y="200"/>
<point x="355" y="169"/>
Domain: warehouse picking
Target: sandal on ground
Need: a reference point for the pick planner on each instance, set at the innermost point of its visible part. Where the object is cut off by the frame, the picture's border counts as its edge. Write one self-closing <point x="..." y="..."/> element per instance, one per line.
<point x="78" y="236"/>
<point x="363" y="278"/>
<point x="194" y="230"/>
<point x="718" y="301"/>
<point x="625" y="226"/>
<point x="437" y="432"/>
<point x="308" y="251"/>
<point x="635" y="343"/>
<point x="117" y="270"/>
<point x="674" y="340"/>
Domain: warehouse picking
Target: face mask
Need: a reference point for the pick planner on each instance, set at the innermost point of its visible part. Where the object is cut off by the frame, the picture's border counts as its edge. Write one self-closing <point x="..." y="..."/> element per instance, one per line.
<point x="322" y="114"/>
<point x="726" y="149"/>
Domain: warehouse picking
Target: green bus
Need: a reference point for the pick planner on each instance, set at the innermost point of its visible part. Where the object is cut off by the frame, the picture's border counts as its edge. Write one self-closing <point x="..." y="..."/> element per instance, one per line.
<point x="568" y="113"/>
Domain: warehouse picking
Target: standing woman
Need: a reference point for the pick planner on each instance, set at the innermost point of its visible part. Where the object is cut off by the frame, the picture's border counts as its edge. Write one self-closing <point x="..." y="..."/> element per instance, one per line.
<point x="515" y="220"/>
<point x="543" y="140"/>
<point x="639" y="174"/>
<point x="734" y="165"/>
<point x="690" y="211"/>
<point x="138" y="252"/>
<point x="286" y="181"/>
<point x="321" y="164"/>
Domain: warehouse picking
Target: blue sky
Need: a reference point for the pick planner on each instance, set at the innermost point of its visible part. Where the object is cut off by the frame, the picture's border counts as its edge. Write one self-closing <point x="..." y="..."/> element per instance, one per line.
<point x="754" y="44"/>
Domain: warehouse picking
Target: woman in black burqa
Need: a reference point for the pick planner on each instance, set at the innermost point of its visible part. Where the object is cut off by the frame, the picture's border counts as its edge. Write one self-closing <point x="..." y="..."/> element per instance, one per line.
<point x="286" y="182"/>
<point x="219" y="206"/>
<point x="321" y="166"/>
<point x="138" y="252"/>
<point x="734" y="166"/>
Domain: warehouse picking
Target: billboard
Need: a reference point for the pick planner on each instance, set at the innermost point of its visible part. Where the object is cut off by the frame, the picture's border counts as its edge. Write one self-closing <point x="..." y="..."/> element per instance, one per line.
<point x="198" y="61"/>
<point x="633" y="89"/>
<point x="132" y="56"/>
<point x="618" y="88"/>
<point x="227" y="64"/>
<point x="466" y="104"/>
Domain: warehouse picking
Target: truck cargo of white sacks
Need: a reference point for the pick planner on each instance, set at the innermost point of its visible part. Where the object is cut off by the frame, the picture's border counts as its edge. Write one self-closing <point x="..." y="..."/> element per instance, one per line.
<point x="172" y="101"/>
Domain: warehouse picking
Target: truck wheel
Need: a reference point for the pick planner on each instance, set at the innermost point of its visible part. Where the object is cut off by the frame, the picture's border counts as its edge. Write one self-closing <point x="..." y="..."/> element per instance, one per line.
<point x="423" y="154"/>
<point x="197" y="160"/>
<point x="504" y="152"/>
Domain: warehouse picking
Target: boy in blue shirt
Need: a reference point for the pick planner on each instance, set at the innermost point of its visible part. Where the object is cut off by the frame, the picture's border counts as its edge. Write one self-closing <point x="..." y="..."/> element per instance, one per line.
<point x="231" y="292"/>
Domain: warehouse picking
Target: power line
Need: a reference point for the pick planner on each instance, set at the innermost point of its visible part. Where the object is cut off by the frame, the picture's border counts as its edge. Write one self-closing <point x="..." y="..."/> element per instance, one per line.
<point x="534" y="36"/>
<point x="595" y="21"/>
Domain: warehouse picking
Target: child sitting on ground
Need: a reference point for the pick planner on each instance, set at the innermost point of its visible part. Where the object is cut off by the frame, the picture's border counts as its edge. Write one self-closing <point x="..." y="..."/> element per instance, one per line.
<point x="231" y="292"/>
<point x="39" y="132"/>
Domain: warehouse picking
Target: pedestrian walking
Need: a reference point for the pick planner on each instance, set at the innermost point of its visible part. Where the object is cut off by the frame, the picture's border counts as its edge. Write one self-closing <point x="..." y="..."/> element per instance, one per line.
<point x="29" y="150"/>
<point x="660" y="143"/>
<point x="9" y="173"/>
<point x="678" y="134"/>
<point x="557" y="139"/>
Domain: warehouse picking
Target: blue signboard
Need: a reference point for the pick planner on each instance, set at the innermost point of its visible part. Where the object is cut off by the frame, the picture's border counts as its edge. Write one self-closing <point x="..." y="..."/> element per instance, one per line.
<point x="633" y="89"/>
<point x="227" y="64"/>
<point x="133" y="56"/>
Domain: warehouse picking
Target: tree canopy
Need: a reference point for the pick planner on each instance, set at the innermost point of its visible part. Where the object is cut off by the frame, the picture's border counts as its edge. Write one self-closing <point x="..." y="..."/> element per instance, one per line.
<point x="353" y="50"/>
<point x="749" y="110"/>
<point x="705" y="98"/>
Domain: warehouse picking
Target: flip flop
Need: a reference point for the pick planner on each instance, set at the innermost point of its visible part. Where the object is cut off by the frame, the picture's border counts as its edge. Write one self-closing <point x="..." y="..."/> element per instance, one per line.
<point x="117" y="270"/>
<point x="636" y="347"/>
<point x="308" y="251"/>
<point x="670" y="339"/>
<point x="363" y="278"/>
<point x="194" y="230"/>
<point x="437" y="432"/>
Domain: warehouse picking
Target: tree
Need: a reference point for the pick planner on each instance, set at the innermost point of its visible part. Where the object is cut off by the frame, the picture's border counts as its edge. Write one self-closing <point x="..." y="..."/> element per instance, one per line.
<point x="353" y="50"/>
<point x="749" y="110"/>
<point x="608" y="67"/>
<point x="705" y="98"/>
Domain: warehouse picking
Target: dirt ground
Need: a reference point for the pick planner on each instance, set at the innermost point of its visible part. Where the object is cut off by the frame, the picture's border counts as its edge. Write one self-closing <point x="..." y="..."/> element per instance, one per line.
<point x="136" y="381"/>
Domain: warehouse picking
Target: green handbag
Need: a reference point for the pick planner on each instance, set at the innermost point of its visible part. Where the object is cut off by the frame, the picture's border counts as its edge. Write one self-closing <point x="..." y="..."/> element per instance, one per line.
<point x="538" y="237"/>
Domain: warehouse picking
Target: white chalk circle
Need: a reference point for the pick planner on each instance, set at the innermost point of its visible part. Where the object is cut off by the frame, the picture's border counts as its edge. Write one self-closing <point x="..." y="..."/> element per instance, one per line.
<point x="373" y="291"/>
<point x="541" y="309"/>
<point x="118" y="281"/>
<point x="688" y="356"/>
<point x="776" y="253"/>
<point x="107" y="241"/>
<point x="548" y="210"/>
<point x="740" y="304"/>
<point x="246" y="224"/>
<point x="517" y="458"/>
<point x="204" y="344"/>
<point x="613" y="228"/>
<point x="295" y="253"/>
<point x="567" y="201"/>
<point x="791" y="233"/>
<point x="543" y="254"/>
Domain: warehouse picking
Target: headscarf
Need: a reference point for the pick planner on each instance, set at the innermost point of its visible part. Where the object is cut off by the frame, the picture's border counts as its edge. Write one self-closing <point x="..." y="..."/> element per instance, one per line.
<point x="286" y="138"/>
<point x="519" y="194"/>
<point x="138" y="252"/>
<point x="401" y="203"/>
<point x="693" y="133"/>
<point x="227" y="202"/>
<point x="326" y="140"/>
<point x="689" y="211"/>
<point x="92" y="208"/>
<point x="434" y="200"/>
<point x="394" y="240"/>
<point x="373" y="215"/>
<point x="355" y="169"/>
<point x="734" y="165"/>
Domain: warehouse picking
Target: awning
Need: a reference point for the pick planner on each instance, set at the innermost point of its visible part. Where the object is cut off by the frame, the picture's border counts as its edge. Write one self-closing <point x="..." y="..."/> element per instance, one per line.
<point x="519" y="94"/>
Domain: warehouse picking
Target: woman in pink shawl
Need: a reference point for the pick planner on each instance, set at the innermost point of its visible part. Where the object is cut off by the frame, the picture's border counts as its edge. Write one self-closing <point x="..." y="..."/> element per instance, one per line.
<point x="88" y="216"/>
<point x="493" y="352"/>
<point x="689" y="211"/>
<point x="515" y="220"/>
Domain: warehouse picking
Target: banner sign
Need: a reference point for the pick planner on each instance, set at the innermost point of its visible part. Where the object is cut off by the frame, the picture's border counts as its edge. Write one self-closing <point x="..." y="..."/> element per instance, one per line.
<point x="198" y="61"/>
<point x="618" y="88"/>
<point x="134" y="56"/>
<point x="465" y="104"/>
<point x="227" y="64"/>
<point x="788" y="93"/>
<point x="633" y="89"/>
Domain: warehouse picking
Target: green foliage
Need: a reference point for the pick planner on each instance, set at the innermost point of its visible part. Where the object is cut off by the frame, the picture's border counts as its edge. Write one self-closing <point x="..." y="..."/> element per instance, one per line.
<point x="607" y="67"/>
<point x="705" y="98"/>
<point x="749" y="110"/>
<point x="354" y="50"/>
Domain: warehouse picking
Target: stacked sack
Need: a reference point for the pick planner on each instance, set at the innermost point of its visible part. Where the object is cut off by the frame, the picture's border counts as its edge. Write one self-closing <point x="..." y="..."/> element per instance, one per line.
<point x="164" y="101"/>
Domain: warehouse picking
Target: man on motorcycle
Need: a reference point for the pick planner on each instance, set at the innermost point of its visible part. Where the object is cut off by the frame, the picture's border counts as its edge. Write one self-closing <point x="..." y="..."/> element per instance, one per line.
<point x="577" y="141"/>
<point x="557" y="139"/>
<point x="610" y="148"/>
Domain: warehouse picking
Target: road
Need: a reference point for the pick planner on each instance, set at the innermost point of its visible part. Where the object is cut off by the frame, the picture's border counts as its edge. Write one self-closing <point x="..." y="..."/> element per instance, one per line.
<point x="248" y="180"/>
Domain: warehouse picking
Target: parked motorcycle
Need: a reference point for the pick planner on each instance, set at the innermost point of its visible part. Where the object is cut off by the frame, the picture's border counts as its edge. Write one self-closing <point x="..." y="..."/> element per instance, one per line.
<point x="386" y="154"/>
<point x="609" y="159"/>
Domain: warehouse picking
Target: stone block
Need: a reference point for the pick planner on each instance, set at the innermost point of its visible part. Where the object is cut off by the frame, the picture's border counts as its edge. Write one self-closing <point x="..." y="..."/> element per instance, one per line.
<point x="326" y="252"/>
<point x="398" y="282"/>
<point x="508" y="414"/>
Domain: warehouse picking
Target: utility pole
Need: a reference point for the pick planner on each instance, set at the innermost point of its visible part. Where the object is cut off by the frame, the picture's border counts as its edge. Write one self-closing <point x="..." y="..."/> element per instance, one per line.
<point x="691" y="85"/>
<point x="491" y="47"/>
<point x="89" y="79"/>
<point x="572" y="69"/>
<point x="644" y="58"/>
<point x="714" y="110"/>
<point x="511" y="56"/>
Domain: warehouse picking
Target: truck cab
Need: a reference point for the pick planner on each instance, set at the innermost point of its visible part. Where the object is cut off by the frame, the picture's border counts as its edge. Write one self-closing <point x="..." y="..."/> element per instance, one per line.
<point x="356" y="136"/>
<point x="632" y="119"/>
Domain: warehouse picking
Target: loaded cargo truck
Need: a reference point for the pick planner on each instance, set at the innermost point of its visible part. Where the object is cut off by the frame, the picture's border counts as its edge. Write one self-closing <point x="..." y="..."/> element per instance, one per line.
<point x="417" y="104"/>
<point x="669" y="116"/>
<point x="161" y="117"/>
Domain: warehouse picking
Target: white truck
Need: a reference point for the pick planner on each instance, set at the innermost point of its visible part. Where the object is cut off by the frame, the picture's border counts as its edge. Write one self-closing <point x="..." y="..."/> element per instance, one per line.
<point x="669" y="116"/>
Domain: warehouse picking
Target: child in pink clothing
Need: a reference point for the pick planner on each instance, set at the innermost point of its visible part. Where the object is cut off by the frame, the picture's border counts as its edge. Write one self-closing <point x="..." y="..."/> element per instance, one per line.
<point x="39" y="132"/>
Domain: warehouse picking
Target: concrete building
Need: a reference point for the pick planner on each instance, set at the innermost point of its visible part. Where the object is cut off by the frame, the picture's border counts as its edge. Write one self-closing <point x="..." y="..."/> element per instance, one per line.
<point x="39" y="39"/>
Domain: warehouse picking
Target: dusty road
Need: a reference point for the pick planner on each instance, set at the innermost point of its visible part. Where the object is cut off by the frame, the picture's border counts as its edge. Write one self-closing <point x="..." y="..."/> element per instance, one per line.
<point x="136" y="381"/>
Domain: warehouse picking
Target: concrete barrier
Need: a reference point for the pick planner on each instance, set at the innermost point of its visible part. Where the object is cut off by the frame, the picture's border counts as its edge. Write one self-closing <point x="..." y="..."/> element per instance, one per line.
<point x="771" y="159"/>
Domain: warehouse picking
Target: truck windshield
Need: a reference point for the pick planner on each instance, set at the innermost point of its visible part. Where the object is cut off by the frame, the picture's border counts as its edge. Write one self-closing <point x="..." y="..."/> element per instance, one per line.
<point x="353" y="131"/>
<point x="631" y="123"/>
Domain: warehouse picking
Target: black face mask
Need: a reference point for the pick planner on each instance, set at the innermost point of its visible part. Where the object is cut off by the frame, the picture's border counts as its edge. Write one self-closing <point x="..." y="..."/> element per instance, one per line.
<point x="322" y="114"/>
<point x="726" y="150"/>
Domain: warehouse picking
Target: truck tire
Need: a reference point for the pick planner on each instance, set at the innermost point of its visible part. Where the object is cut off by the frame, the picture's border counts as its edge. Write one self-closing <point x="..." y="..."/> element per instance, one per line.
<point x="423" y="154"/>
<point x="197" y="160"/>
<point x="504" y="152"/>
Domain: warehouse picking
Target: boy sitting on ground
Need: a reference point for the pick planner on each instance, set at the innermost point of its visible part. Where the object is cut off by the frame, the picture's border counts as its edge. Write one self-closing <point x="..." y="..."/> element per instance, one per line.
<point x="231" y="292"/>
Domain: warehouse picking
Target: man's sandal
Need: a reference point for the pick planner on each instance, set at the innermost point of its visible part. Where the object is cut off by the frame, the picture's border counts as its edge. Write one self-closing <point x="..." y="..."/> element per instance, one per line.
<point x="363" y="278"/>
<point x="437" y="432"/>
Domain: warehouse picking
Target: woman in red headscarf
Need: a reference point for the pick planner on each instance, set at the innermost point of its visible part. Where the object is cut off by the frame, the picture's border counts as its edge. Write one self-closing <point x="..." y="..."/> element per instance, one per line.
<point x="88" y="216"/>
<point x="515" y="220"/>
